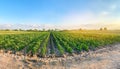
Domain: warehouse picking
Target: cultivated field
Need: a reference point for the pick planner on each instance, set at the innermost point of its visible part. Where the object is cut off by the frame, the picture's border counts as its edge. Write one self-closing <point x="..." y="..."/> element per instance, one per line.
<point x="55" y="44"/>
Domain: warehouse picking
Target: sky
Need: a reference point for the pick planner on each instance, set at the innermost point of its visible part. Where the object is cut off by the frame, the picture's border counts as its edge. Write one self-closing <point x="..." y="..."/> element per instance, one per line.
<point x="60" y="14"/>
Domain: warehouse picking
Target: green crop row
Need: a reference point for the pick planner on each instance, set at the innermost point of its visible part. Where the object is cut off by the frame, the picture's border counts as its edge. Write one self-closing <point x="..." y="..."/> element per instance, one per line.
<point x="77" y="42"/>
<point x="64" y="42"/>
<point x="28" y="42"/>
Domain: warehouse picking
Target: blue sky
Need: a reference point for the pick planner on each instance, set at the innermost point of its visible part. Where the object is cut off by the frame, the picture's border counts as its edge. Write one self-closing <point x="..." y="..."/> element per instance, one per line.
<point x="45" y="11"/>
<point x="59" y="12"/>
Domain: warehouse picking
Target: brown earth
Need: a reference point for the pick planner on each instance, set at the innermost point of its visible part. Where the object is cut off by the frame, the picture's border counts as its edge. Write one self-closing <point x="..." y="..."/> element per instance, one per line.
<point x="104" y="58"/>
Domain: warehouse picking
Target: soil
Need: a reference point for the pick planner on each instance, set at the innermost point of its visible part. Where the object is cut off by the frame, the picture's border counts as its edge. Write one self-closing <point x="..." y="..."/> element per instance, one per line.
<point x="104" y="58"/>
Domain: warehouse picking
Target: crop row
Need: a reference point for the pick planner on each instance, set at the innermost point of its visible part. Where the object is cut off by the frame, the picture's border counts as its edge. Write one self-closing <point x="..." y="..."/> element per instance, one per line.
<point x="26" y="43"/>
<point x="69" y="42"/>
<point x="45" y="43"/>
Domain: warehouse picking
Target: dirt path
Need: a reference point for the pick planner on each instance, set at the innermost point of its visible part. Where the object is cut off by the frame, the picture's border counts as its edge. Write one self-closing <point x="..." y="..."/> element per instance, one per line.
<point x="105" y="58"/>
<point x="52" y="49"/>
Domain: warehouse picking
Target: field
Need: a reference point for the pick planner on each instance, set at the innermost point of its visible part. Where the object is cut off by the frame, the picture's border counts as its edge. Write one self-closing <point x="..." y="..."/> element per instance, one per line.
<point x="55" y="43"/>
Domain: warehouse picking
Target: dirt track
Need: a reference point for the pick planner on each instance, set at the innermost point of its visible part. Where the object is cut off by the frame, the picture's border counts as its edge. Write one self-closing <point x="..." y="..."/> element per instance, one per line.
<point x="105" y="58"/>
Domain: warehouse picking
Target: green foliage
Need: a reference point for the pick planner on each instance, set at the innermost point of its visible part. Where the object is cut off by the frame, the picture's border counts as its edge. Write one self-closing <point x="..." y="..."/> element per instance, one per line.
<point x="85" y="47"/>
<point x="17" y="42"/>
<point x="79" y="48"/>
<point x="65" y="41"/>
<point x="43" y="52"/>
<point x="60" y="49"/>
<point x="85" y="40"/>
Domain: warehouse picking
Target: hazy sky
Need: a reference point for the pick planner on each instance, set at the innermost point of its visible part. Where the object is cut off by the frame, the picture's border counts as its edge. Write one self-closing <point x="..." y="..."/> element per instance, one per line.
<point x="66" y="14"/>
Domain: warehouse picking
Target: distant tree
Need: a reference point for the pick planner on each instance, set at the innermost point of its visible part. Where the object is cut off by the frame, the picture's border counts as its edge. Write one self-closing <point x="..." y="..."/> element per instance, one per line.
<point x="29" y="30"/>
<point x="80" y="29"/>
<point x="101" y="28"/>
<point x="65" y="30"/>
<point x="56" y="29"/>
<point x="21" y="30"/>
<point x="105" y="28"/>
<point x="35" y="30"/>
<point x="15" y="29"/>
<point x="7" y="29"/>
<point x="49" y="30"/>
<point x="43" y="30"/>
